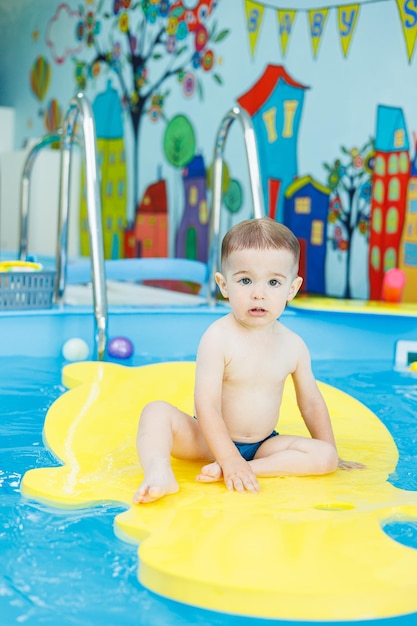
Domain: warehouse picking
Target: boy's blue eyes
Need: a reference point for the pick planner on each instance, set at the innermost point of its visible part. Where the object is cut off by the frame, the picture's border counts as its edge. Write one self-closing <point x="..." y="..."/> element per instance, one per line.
<point x="247" y="281"/>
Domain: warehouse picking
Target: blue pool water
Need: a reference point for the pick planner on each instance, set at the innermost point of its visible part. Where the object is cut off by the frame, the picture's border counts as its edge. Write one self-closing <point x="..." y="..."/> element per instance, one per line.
<point x="67" y="567"/>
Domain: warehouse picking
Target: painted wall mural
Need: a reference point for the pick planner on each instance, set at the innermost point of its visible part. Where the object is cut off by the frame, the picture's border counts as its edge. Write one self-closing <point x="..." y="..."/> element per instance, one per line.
<point x="334" y="128"/>
<point x="275" y="105"/>
<point x="143" y="45"/>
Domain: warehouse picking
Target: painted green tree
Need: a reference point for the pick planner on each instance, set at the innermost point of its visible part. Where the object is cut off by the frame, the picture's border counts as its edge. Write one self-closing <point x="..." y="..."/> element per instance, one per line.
<point x="350" y="180"/>
<point x="146" y="44"/>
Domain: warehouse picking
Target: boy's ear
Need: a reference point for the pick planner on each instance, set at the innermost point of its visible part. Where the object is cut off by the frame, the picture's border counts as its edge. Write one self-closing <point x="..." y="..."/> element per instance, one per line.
<point x="295" y="288"/>
<point x="221" y="283"/>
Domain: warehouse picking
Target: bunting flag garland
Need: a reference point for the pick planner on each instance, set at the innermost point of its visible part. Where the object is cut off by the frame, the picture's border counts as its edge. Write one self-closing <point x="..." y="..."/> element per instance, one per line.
<point x="347" y="20"/>
<point x="408" y="16"/>
<point x="285" y="21"/>
<point x="317" y="19"/>
<point x="347" y="17"/>
<point x="254" y="16"/>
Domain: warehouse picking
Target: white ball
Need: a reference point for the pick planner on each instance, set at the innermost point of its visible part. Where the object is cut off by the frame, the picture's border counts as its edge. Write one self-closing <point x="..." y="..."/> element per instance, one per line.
<point x="75" y="349"/>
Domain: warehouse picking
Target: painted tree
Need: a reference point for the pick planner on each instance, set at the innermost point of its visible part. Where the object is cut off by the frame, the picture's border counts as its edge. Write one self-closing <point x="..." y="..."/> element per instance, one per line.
<point x="145" y="44"/>
<point x="350" y="180"/>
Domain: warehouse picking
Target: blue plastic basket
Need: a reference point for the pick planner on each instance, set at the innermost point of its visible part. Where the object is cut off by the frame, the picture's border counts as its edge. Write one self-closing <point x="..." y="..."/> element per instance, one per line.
<point x="26" y="290"/>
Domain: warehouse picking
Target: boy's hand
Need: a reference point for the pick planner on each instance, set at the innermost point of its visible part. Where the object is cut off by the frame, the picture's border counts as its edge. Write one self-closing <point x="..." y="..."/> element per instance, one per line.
<point x="238" y="475"/>
<point x="350" y="465"/>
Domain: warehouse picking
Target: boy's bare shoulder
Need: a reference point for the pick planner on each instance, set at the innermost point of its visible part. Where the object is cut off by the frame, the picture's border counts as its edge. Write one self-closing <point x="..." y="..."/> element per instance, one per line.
<point x="293" y="338"/>
<point x="216" y="330"/>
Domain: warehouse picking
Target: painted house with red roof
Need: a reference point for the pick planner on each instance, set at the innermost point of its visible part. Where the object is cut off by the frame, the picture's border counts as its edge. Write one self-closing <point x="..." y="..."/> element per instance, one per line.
<point x="151" y="223"/>
<point x="408" y="247"/>
<point x="389" y="193"/>
<point x="275" y="105"/>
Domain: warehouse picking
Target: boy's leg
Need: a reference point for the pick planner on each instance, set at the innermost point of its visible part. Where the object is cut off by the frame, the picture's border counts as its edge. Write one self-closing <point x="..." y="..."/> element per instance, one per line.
<point x="287" y="455"/>
<point x="165" y="431"/>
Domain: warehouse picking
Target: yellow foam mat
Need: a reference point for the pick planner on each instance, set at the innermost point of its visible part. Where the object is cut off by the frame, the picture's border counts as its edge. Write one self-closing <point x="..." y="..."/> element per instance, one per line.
<point x="303" y="549"/>
<point x="343" y="305"/>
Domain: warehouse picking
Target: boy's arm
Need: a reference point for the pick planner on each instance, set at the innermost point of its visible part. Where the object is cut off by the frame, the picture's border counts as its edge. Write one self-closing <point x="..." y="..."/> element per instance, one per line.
<point x="237" y="473"/>
<point x="313" y="407"/>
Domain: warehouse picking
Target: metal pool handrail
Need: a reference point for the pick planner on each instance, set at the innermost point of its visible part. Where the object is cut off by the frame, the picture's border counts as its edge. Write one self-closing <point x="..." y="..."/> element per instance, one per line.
<point x="255" y="184"/>
<point x="43" y="142"/>
<point x="80" y="107"/>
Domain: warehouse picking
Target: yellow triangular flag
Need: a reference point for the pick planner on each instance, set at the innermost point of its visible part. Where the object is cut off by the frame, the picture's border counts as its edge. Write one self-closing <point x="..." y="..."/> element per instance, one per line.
<point x="317" y="19"/>
<point x="254" y="16"/>
<point x="408" y="16"/>
<point x="285" y="21"/>
<point x="347" y="16"/>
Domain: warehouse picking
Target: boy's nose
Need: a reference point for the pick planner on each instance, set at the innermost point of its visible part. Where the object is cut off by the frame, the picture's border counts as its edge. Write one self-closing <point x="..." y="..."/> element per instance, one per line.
<point x="258" y="293"/>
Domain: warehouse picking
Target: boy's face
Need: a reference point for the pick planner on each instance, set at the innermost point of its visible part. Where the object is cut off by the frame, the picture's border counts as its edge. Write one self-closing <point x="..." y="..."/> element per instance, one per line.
<point x="258" y="284"/>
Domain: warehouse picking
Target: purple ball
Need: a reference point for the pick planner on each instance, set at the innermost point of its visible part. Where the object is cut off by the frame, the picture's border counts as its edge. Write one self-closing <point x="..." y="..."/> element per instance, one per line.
<point x="120" y="348"/>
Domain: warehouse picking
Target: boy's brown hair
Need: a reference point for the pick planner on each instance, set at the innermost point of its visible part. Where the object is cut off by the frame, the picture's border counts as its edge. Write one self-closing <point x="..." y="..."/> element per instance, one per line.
<point x="261" y="233"/>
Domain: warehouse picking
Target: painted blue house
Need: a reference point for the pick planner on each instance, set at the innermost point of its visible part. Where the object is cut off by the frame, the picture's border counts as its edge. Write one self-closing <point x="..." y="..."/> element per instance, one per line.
<point x="108" y="117"/>
<point x="275" y="104"/>
<point x="306" y="208"/>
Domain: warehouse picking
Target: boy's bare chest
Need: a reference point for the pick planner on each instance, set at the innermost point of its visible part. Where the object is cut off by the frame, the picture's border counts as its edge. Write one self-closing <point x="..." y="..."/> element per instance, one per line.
<point x="258" y="364"/>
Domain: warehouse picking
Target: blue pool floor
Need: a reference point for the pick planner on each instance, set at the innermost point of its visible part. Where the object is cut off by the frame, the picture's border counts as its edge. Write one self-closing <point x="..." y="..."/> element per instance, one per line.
<point x="68" y="568"/>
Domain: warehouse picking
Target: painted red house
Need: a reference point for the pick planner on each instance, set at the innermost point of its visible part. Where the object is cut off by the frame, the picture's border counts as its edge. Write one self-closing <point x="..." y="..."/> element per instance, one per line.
<point x="151" y="224"/>
<point x="389" y="193"/>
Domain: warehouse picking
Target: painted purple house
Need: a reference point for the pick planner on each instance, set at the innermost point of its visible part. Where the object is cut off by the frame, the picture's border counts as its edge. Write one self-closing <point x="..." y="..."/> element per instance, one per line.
<point x="306" y="208"/>
<point x="192" y="234"/>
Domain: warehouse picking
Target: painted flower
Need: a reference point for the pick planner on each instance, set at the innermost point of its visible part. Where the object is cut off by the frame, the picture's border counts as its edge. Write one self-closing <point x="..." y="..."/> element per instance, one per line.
<point x="335" y="204"/>
<point x="208" y="60"/>
<point x="90" y="39"/>
<point x="363" y="227"/>
<point x="163" y="8"/>
<point x="95" y="69"/>
<point x="369" y="163"/>
<point x="132" y="43"/>
<point x="89" y="20"/>
<point x="152" y="14"/>
<point x="188" y="84"/>
<point x="79" y="31"/>
<point x="117" y="50"/>
<point x="172" y="26"/>
<point x="365" y="190"/>
<point x="154" y="113"/>
<point x="182" y="31"/>
<point x="201" y="38"/>
<point x="196" y="60"/>
<point x="171" y="44"/>
<point x="124" y="22"/>
<point x="333" y="179"/>
<point x="358" y="162"/>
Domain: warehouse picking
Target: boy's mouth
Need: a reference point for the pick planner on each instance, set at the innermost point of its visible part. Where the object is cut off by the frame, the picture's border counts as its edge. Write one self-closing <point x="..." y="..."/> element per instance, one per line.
<point x="257" y="311"/>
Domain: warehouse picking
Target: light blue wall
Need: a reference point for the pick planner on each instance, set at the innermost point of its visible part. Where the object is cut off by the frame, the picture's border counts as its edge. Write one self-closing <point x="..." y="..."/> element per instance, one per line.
<point x="339" y="107"/>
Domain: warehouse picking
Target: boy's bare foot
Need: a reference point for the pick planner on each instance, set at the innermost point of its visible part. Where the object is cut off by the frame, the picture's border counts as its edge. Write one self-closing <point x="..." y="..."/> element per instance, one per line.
<point x="210" y="473"/>
<point x="156" y="484"/>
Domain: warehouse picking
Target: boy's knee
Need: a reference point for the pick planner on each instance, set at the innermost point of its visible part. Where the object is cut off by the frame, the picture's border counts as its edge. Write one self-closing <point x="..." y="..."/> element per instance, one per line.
<point x="329" y="459"/>
<point x="156" y="407"/>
